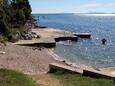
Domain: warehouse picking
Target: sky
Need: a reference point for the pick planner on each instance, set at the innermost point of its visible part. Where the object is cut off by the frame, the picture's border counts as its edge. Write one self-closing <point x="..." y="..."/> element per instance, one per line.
<point x="72" y="6"/>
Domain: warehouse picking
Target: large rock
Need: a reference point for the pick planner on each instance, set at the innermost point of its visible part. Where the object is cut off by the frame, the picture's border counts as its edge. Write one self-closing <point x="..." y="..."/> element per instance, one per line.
<point x="34" y="35"/>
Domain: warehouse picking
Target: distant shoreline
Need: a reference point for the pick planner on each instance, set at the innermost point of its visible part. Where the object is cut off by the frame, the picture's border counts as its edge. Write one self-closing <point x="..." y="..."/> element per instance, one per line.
<point x="77" y="13"/>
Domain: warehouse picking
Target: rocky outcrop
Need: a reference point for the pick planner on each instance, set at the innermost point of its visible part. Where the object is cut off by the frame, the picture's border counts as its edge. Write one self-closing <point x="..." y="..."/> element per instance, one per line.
<point x="28" y="35"/>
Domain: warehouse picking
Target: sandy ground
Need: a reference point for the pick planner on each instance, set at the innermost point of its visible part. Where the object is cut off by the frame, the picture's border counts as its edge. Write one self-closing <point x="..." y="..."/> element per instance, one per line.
<point x="50" y="32"/>
<point x="25" y="59"/>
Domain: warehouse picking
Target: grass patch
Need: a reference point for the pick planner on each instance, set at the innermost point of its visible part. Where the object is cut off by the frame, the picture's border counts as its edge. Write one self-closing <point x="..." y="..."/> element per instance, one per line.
<point x="79" y="80"/>
<point x="13" y="78"/>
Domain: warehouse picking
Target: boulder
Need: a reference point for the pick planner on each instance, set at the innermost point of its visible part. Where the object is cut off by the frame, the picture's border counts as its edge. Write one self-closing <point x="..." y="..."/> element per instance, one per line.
<point x="29" y="35"/>
<point x="26" y="36"/>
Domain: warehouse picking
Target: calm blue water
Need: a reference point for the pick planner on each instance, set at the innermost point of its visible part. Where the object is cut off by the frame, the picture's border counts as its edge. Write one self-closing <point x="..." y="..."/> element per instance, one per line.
<point x="85" y="51"/>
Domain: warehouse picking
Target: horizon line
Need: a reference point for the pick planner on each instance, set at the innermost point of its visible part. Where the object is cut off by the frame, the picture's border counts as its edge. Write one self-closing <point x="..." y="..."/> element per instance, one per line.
<point x="77" y="13"/>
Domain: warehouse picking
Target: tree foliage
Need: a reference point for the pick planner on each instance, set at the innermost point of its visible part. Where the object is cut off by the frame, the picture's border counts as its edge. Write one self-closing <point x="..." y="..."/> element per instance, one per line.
<point x="13" y="13"/>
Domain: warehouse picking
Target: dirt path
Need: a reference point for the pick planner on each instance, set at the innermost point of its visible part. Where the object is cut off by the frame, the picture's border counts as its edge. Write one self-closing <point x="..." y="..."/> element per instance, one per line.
<point x="47" y="80"/>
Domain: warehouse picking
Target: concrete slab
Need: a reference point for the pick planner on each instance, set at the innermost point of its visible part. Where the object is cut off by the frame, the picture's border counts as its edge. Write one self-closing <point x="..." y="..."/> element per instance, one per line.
<point x="47" y="37"/>
<point x="63" y="67"/>
<point x="98" y="74"/>
<point x="83" y="35"/>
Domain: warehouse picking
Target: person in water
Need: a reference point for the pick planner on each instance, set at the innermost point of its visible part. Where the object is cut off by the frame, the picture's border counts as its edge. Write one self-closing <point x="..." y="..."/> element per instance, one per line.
<point x="104" y="41"/>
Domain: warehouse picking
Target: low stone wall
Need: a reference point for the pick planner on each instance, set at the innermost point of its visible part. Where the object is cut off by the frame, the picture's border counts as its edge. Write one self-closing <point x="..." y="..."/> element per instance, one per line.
<point x="46" y="45"/>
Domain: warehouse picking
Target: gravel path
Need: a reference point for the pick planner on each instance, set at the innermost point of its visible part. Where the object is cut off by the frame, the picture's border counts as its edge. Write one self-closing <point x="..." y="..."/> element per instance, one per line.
<point x="25" y="59"/>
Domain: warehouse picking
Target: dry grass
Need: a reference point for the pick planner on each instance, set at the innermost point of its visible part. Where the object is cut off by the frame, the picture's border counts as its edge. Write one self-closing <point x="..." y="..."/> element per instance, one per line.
<point x="46" y="80"/>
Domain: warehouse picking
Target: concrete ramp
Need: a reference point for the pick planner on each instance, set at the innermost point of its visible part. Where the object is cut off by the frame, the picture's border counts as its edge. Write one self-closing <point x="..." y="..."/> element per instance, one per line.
<point x="98" y="74"/>
<point x="64" y="67"/>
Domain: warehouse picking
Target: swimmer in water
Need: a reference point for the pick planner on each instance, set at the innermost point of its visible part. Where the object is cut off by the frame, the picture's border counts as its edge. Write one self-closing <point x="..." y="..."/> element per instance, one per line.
<point x="104" y="41"/>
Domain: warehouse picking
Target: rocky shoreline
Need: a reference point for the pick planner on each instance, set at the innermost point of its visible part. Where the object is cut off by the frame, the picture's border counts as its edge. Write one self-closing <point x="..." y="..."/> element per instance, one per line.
<point x="32" y="60"/>
<point x="35" y="60"/>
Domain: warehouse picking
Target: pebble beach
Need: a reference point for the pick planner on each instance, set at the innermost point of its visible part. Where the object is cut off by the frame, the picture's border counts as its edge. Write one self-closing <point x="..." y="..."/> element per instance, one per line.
<point x="34" y="60"/>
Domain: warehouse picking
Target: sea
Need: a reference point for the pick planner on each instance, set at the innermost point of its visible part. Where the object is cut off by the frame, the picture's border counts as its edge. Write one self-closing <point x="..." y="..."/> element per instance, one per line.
<point x="89" y="52"/>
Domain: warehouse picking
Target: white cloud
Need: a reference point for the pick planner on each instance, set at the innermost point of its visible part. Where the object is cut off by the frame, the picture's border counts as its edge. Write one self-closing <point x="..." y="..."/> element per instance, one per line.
<point x="97" y="5"/>
<point x="93" y="5"/>
<point x="47" y="10"/>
